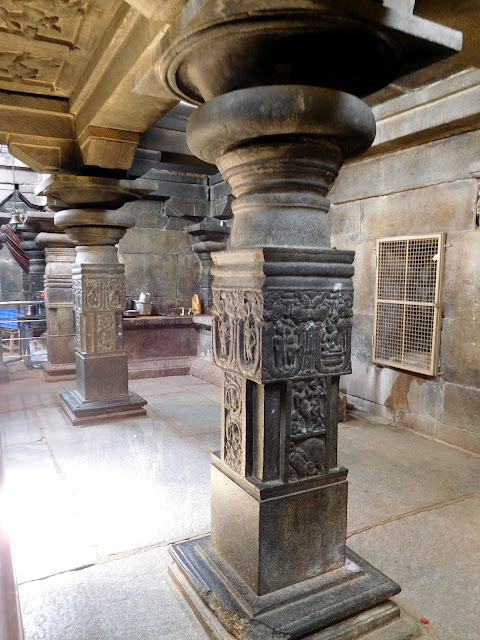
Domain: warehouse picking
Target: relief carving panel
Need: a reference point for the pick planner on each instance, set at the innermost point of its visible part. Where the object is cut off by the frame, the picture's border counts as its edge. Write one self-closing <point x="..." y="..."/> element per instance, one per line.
<point x="306" y="447"/>
<point x="98" y="294"/>
<point x="105" y="333"/>
<point x="47" y="20"/>
<point x="282" y="335"/>
<point x="237" y="330"/>
<point x="233" y="411"/>
<point x="16" y="66"/>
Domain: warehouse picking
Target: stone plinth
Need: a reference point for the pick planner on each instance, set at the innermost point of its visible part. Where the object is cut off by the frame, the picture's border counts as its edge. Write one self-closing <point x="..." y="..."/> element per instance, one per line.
<point x="59" y="257"/>
<point x="276" y="564"/>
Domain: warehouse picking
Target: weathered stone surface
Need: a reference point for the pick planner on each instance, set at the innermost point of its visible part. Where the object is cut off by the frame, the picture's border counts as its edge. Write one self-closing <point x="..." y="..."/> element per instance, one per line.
<point x="149" y="214"/>
<point x="153" y="273"/>
<point x="421" y="210"/>
<point x="424" y="552"/>
<point x="448" y="160"/>
<point x="460" y="350"/>
<point x="132" y="599"/>
<point x="462" y="264"/>
<point x="157" y="242"/>
<point x="344" y="220"/>
<point x="458" y="437"/>
<point x="332" y="597"/>
<point x="461" y="407"/>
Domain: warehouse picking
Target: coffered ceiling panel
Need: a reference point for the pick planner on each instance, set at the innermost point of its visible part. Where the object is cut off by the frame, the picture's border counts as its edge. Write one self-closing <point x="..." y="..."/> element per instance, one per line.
<point x="45" y="45"/>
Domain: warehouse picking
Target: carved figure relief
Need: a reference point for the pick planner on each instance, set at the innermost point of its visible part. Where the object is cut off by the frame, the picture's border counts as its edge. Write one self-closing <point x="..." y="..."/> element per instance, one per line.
<point x="103" y="294"/>
<point x="16" y="66"/>
<point x="237" y="330"/>
<point x="232" y="438"/>
<point x="48" y="20"/>
<point x="291" y="334"/>
<point x="307" y="459"/>
<point x="308" y="407"/>
<point x="105" y="333"/>
<point x="308" y="428"/>
<point x="306" y="332"/>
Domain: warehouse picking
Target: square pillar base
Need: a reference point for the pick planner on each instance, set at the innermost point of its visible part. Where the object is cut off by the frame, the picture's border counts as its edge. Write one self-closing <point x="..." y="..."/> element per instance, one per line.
<point x="82" y="412"/>
<point x="58" y="372"/>
<point x="347" y="603"/>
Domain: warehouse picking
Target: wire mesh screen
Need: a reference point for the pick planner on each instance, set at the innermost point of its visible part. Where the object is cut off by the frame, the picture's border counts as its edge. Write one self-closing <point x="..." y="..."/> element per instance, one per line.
<point x="407" y="302"/>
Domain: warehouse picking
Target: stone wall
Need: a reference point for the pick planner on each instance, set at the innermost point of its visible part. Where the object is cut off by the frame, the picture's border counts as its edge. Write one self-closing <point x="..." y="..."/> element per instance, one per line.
<point x="157" y="258"/>
<point x="10" y="277"/>
<point x="428" y="188"/>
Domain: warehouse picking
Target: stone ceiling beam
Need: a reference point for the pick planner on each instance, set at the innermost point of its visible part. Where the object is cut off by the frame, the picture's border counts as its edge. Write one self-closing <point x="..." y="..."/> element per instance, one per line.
<point x="120" y="96"/>
<point x="38" y="131"/>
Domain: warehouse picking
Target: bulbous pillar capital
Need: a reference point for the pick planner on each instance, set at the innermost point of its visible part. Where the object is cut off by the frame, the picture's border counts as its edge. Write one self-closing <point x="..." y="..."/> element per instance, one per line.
<point x="94" y="227"/>
<point x="280" y="148"/>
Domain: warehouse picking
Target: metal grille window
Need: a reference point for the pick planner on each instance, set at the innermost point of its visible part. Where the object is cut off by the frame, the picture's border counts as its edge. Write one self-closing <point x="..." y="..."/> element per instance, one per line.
<point x="408" y="294"/>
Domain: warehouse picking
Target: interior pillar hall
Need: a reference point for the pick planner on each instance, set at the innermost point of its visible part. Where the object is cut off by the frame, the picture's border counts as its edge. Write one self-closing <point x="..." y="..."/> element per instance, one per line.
<point x="59" y="258"/>
<point x="98" y="285"/>
<point x="276" y="563"/>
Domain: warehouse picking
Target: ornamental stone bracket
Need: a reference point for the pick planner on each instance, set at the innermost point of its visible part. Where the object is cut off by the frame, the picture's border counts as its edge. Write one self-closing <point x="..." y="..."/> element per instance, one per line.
<point x="279" y="125"/>
<point x="98" y="286"/>
<point x="59" y="257"/>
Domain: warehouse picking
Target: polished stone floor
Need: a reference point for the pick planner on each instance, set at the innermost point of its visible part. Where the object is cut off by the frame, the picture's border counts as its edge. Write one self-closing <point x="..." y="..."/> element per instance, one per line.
<point x="91" y="512"/>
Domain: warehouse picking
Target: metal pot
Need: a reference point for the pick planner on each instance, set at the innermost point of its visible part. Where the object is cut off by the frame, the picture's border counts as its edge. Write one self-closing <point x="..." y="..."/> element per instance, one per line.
<point x="31" y="310"/>
<point x="143" y="308"/>
<point x="144" y="297"/>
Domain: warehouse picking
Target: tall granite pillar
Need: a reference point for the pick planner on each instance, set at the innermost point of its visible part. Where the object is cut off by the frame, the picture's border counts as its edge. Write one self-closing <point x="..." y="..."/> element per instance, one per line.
<point x="282" y="112"/>
<point x="98" y="284"/>
<point x="59" y="258"/>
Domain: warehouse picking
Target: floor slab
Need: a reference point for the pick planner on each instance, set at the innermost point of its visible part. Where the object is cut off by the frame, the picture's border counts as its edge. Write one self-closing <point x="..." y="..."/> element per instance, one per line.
<point x="128" y="599"/>
<point x="99" y="493"/>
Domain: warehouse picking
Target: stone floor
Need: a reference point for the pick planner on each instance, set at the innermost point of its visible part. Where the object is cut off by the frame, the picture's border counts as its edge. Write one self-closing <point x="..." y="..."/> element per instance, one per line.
<point x="92" y="510"/>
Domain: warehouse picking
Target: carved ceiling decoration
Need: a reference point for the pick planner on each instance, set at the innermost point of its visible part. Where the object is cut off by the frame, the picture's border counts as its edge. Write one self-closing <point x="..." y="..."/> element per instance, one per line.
<point x="45" y="45"/>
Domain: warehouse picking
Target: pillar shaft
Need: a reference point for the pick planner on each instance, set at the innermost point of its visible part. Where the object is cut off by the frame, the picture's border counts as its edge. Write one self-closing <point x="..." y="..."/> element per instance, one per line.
<point x="59" y="257"/>
<point x="98" y="301"/>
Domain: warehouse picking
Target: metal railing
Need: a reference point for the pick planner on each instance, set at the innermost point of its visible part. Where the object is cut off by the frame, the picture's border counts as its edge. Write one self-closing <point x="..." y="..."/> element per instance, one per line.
<point x="22" y="323"/>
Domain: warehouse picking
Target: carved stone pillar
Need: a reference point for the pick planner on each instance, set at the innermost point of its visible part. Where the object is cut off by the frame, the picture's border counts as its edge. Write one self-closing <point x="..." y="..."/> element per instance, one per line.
<point x="98" y="284"/>
<point x="33" y="280"/>
<point x="276" y="564"/>
<point x="59" y="257"/>
<point x="210" y="236"/>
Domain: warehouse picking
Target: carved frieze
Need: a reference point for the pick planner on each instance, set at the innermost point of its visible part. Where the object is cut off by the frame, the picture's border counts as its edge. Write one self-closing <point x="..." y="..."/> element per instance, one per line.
<point x="309" y="414"/>
<point x="44" y="20"/>
<point x="233" y="436"/>
<point x="98" y="294"/>
<point x="281" y="335"/>
<point x="105" y="333"/>
<point x="17" y="66"/>
<point x="237" y="330"/>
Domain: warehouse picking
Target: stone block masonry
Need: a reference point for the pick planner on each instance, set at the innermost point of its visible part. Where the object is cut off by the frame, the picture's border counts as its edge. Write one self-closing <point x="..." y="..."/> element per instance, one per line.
<point x="397" y="194"/>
